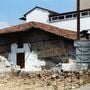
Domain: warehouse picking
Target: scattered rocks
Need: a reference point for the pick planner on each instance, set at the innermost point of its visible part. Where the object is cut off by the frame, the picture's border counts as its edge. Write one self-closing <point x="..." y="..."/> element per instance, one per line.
<point x="41" y="80"/>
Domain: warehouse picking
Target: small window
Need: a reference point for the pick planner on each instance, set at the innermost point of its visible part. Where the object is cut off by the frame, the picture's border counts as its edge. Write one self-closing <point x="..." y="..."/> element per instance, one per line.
<point x="20" y="45"/>
<point x="68" y="16"/>
<point x="61" y="17"/>
<point x="54" y="18"/>
<point x="84" y="13"/>
<point x="75" y="15"/>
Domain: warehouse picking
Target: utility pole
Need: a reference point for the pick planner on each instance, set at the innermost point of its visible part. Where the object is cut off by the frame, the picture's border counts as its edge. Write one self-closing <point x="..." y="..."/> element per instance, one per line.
<point x="78" y="19"/>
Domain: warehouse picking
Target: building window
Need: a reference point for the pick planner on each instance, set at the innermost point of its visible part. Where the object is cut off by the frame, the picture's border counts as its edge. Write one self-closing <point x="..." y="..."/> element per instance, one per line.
<point x="61" y="17"/>
<point x="69" y="16"/>
<point x="74" y="15"/>
<point x="20" y="45"/>
<point x="84" y="13"/>
<point x="54" y="18"/>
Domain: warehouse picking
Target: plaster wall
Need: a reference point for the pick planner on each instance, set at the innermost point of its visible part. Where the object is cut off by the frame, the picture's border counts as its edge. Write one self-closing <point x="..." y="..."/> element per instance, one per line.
<point x="32" y="63"/>
<point x="71" y="24"/>
<point x="37" y="15"/>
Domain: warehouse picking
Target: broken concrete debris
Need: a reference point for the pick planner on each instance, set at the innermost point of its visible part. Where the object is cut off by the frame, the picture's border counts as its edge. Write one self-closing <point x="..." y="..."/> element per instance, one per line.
<point x="44" y="78"/>
<point x="71" y="66"/>
<point x="4" y="65"/>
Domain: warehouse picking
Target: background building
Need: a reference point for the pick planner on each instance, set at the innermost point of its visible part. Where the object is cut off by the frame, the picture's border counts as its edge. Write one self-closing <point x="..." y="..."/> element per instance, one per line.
<point x="84" y="4"/>
<point x="67" y="20"/>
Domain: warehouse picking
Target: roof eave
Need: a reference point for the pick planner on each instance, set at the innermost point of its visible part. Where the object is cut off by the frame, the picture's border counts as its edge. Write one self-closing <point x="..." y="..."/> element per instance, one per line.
<point x="23" y="18"/>
<point x="50" y="11"/>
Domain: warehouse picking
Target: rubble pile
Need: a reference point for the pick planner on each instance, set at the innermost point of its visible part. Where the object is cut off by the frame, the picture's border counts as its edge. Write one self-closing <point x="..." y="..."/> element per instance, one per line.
<point x="21" y="80"/>
<point x="4" y="65"/>
<point x="43" y="80"/>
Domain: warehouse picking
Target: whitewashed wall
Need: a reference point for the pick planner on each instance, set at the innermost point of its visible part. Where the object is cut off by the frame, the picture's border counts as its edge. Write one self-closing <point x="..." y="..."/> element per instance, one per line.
<point x="37" y="15"/>
<point x="71" y="24"/>
<point x="32" y="63"/>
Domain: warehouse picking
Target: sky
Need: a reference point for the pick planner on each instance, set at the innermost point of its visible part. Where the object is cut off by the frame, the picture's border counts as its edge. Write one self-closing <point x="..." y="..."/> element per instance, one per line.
<point x="12" y="10"/>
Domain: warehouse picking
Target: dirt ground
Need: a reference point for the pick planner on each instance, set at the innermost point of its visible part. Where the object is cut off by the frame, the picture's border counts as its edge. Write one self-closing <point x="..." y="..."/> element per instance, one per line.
<point x="40" y="82"/>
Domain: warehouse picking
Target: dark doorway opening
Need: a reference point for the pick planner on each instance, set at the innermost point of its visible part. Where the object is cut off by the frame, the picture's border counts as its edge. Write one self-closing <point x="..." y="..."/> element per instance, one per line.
<point x="21" y="60"/>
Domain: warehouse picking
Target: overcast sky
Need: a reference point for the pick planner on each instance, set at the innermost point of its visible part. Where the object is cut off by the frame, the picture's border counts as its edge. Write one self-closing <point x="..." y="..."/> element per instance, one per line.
<point x="12" y="10"/>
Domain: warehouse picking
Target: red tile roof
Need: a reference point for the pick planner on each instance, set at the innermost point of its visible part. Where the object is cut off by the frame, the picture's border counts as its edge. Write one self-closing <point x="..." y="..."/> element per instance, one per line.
<point x="48" y="28"/>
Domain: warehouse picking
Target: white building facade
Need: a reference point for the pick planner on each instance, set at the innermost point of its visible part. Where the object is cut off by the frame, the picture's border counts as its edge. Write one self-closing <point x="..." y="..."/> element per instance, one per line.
<point x="66" y="20"/>
<point x="69" y="20"/>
